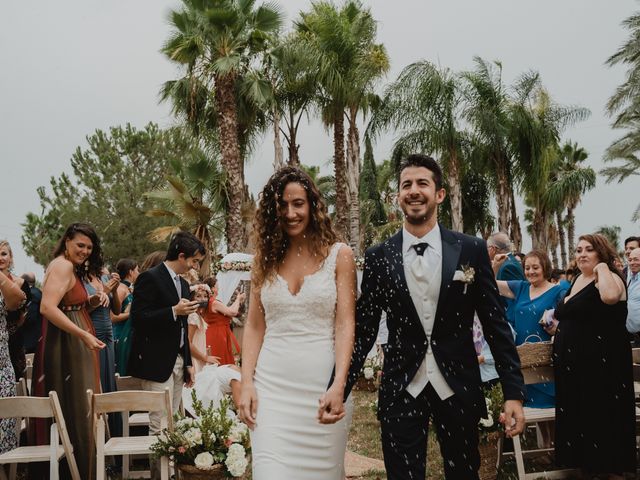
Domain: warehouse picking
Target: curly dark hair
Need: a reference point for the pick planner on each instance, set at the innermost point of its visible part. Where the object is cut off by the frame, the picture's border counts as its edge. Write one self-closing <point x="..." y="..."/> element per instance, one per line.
<point x="93" y="265"/>
<point x="271" y="240"/>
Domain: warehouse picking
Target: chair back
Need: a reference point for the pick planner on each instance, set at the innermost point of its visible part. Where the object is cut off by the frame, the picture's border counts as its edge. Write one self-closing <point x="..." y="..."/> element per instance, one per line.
<point x="128" y="383"/>
<point x="26" y="407"/>
<point x="21" y="388"/>
<point x="131" y="400"/>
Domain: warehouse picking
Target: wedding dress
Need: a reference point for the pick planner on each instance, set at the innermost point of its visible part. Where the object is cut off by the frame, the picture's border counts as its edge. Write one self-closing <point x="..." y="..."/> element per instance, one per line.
<point x="292" y="372"/>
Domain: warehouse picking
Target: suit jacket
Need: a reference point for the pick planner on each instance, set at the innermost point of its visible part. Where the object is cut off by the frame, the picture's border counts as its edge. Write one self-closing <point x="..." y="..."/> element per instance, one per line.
<point x="384" y="287"/>
<point x="156" y="334"/>
<point x="511" y="269"/>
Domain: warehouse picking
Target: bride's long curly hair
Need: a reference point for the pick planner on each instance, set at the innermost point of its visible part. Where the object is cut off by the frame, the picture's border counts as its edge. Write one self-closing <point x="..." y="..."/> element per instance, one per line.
<point x="271" y="240"/>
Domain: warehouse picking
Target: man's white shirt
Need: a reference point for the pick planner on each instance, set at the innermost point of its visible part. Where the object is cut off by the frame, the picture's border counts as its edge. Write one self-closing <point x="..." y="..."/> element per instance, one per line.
<point x="424" y="276"/>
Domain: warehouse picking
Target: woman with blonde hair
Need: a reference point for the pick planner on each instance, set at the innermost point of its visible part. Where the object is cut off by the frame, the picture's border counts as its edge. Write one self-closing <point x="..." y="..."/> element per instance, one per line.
<point x="299" y="335"/>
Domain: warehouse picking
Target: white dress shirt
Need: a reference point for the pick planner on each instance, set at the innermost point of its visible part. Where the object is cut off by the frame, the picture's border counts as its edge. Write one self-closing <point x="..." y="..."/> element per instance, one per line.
<point x="424" y="286"/>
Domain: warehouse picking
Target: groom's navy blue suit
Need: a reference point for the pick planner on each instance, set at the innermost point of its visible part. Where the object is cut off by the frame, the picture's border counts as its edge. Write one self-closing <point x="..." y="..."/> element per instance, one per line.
<point x="404" y="419"/>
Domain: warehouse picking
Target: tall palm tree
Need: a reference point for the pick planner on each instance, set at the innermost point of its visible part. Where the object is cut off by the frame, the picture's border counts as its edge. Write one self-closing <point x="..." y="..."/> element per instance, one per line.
<point x="216" y="40"/>
<point x="348" y="64"/>
<point x="424" y="105"/>
<point x="612" y="233"/>
<point x="193" y="200"/>
<point x="571" y="180"/>
<point x="485" y="108"/>
<point x="624" y="106"/>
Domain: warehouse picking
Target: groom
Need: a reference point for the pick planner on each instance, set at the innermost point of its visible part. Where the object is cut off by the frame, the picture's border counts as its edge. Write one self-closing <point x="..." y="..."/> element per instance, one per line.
<point x="430" y="281"/>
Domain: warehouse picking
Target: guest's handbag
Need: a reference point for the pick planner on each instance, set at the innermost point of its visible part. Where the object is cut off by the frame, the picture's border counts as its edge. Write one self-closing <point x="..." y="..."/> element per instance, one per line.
<point x="536" y="353"/>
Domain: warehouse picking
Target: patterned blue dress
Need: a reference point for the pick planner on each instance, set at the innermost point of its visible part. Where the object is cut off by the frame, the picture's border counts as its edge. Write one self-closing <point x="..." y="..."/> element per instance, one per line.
<point x="524" y="317"/>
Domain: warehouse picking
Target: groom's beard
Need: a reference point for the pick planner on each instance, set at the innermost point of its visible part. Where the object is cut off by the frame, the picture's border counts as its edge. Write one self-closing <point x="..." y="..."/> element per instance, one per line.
<point x="421" y="218"/>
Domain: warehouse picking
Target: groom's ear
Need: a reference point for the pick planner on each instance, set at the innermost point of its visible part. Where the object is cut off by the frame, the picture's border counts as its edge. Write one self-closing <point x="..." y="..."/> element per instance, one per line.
<point x="440" y="195"/>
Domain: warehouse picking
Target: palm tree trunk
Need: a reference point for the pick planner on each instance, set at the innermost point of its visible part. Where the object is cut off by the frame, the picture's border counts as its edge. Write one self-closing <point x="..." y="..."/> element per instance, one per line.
<point x="278" y="161"/>
<point x="339" y="166"/>
<point x="503" y="198"/>
<point x="294" y="159"/>
<point x="561" y="239"/>
<point x="571" y="232"/>
<point x="231" y="159"/>
<point x="455" y="192"/>
<point x="353" y="181"/>
<point x="516" y="232"/>
<point x="538" y="227"/>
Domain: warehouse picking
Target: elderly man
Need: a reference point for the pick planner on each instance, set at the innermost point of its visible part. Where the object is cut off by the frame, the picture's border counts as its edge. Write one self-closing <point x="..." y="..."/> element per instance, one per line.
<point x="633" y="292"/>
<point x="511" y="269"/>
<point x="630" y="244"/>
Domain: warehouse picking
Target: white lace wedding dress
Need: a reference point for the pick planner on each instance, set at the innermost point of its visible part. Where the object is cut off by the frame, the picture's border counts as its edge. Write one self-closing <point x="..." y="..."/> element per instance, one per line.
<point x="292" y="372"/>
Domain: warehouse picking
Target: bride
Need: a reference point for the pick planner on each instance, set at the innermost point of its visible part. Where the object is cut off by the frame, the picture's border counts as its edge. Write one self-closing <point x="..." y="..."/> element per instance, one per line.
<point x="299" y="327"/>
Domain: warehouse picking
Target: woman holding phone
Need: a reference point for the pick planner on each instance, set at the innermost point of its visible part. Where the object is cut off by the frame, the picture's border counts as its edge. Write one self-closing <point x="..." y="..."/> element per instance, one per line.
<point x="200" y="354"/>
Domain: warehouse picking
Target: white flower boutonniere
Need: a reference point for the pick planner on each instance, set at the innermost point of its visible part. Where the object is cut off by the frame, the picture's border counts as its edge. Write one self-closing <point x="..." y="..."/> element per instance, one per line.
<point x="466" y="276"/>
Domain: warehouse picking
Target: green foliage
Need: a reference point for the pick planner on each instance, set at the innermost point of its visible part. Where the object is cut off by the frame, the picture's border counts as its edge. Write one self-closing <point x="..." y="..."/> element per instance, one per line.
<point x="612" y="233"/>
<point x="106" y="189"/>
<point x="372" y="209"/>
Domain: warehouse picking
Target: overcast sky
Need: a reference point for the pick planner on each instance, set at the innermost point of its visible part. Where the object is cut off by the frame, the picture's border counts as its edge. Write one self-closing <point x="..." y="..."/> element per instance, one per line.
<point x="71" y="67"/>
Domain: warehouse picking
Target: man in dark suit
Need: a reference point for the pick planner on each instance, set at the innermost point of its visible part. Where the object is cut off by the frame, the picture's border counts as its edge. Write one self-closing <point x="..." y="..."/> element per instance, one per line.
<point x="160" y="353"/>
<point x="430" y="281"/>
<point x="33" y="321"/>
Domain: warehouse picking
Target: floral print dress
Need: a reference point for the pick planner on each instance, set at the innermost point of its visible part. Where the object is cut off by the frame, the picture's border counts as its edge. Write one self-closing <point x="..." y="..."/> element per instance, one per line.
<point x="8" y="439"/>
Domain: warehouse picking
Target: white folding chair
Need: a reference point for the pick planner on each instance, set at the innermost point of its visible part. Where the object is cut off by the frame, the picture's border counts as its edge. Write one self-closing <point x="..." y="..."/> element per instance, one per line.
<point x="127" y="401"/>
<point x="38" y="407"/>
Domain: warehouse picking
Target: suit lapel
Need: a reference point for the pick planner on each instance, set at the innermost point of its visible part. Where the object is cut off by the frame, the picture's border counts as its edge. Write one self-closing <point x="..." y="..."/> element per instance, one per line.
<point x="393" y="252"/>
<point x="451" y="248"/>
<point x="167" y="283"/>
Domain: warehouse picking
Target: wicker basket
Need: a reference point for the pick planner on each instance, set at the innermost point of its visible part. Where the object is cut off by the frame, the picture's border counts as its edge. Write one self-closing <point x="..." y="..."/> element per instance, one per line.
<point x="535" y="354"/>
<point x="365" y="385"/>
<point x="189" y="472"/>
<point x="488" y="449"/>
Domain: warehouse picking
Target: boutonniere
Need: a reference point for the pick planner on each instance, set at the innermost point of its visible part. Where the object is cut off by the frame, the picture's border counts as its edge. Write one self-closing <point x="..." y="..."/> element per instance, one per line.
<point x="466" y="276"/>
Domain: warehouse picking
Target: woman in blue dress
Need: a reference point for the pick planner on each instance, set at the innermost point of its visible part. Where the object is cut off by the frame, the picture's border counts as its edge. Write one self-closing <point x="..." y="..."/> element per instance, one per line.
<point x="531" y="298"/>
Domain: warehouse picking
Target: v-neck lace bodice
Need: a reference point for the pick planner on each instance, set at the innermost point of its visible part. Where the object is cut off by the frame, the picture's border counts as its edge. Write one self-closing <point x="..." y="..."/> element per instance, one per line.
<point x="311" y="311"/>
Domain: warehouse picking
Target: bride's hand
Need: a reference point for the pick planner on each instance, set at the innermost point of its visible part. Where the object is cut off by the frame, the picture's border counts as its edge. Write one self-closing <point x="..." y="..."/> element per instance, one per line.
<point x="248" y="404"/>
<point x="331" y="406"/>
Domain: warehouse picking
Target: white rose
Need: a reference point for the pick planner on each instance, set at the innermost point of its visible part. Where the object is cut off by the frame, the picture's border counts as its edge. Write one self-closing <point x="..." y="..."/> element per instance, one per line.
<point x="237" y="432"/>
<point x="236" y="461"/>
<point x="193" y="436"/>
<point x="203" y="460"/>
<point x="213" y="437"/>
<point x="368" y="373"/>
<point x="487" y="400"/>
<point x="487" y="422"/>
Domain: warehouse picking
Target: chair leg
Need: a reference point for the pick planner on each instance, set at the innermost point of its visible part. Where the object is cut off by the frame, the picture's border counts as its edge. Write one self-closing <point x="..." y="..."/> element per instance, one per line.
<point x="3" y="476"/>
<point x="54" y="441"/>
<point x="517" y="451"/>
<point x="54" y="469"/>
<point x="100" y="473"/>
<point x="164" y="468"/>
<point x="13" y="471"/>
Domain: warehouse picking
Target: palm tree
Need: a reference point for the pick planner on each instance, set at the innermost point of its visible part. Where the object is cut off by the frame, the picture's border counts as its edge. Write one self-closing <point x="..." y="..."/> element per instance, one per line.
<point x="216" y="40"/>
<point x="624" y="104"/>
<point x="348" y="64"/>
<point x="570" y="182"/>
<point x="424" y="104"/>
<point x="536" y="124"/>
<point x="193" y="200"/>
<point x="326" y="184"/>
<point x="612" y="233"/>
<point x="485" y="108"/>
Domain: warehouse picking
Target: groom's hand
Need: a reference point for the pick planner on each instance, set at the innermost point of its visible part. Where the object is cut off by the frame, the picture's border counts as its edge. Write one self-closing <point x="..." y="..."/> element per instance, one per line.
<point x="513" y="418"/>
<point x="331" y="406"/>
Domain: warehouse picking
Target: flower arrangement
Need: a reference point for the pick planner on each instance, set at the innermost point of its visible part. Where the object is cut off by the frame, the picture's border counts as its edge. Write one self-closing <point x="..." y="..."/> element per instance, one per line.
<point x="234" y="266"/>
<point x="466" y="276"/>
<point x="491" y="423"/>
<point x="360" y="263"/>
<point x="372" y="365"/>
<point x="215" y="438"/>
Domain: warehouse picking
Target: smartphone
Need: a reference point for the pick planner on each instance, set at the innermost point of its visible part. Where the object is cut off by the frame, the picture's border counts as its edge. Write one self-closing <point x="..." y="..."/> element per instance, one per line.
<point x="203" y="304"/>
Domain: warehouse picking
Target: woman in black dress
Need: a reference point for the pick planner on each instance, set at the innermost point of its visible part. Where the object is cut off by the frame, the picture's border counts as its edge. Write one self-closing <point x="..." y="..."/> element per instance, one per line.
<point x="595" y="410"/>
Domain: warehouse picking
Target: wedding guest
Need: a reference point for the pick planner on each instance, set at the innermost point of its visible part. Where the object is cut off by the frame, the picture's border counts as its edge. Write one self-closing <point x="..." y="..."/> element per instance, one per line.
<point x="633" y="292"/>
<point x="630" y="243"/>
<point x="16" y="317"/>
<point x="220" y="337"/>
<point x="532" y="297"/>
<point x="67" y="359"/>
<point x="198" y="329"/>
<point x="511" y="268"/>
<point x="593" y="368"/>
<point x="128" y="271"/>
<point x="11" y="297"/>
<point x="153" y="259"/>
<point x="100" y="282"/>
<point x="33" y="320"/>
